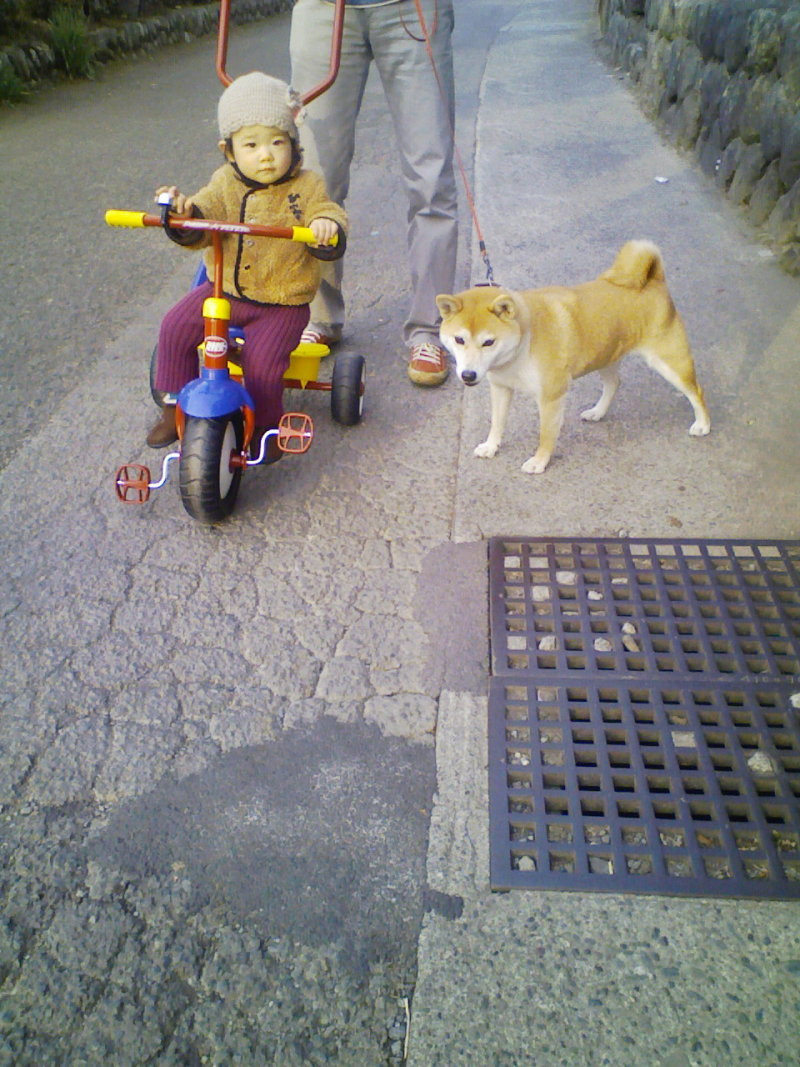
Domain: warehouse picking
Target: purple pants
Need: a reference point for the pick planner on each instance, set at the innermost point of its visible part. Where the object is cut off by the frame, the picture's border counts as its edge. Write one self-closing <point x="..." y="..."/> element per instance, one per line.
<point x="273" y="331"/>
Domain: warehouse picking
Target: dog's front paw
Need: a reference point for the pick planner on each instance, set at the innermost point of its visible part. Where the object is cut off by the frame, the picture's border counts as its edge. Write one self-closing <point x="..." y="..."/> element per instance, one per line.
<point x="535" y="465"/>
<point x="486" y="450"/>
<point x="700" y="428"/>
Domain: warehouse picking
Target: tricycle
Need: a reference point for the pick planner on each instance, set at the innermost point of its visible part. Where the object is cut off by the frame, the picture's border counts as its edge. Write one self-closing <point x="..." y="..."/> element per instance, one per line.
<point x="214" y="412"/>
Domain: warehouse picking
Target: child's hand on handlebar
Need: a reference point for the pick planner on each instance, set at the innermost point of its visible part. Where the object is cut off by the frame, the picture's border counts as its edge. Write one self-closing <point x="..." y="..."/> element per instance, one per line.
<point x="181" y="205"/>
<point x="324" y="230"/>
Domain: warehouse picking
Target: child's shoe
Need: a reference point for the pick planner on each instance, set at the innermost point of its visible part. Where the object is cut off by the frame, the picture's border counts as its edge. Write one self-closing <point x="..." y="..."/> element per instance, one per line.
<point x="163" y="432"/>
<point x="321" y="335"/>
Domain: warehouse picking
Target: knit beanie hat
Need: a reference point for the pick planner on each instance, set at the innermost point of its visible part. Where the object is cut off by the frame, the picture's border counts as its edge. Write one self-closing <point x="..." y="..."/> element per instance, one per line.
<point x="257" y="99"/>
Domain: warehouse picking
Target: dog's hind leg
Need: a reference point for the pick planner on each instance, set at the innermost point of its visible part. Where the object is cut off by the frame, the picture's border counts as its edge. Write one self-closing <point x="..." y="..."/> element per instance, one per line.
<point x="610" y="379"/>
<point x="678" y="370"/>
<point x="501" y="401"/>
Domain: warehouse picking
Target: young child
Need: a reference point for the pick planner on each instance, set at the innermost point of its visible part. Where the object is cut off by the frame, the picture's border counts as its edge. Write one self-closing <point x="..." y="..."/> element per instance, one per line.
<point x="269" y="281"/>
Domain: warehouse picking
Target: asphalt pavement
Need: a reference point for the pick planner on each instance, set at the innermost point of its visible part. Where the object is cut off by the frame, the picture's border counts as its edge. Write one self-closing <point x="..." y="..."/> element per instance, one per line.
<point x="243" y="769"/>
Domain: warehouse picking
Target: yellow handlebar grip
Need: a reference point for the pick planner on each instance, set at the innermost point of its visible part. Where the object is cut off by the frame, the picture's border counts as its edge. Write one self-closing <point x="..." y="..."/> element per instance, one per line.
<point x="125" y="218"/>
<point x="306" y="235"/>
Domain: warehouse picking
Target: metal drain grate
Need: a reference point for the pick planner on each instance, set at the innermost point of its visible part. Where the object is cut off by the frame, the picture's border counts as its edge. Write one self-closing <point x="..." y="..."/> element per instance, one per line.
<point x="632" y="608"/>
<point x="644" y="717"/>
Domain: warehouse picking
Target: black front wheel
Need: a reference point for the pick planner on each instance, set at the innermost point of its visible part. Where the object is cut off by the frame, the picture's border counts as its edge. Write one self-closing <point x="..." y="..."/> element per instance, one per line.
<point x="208" y="482"/>
<point x="347" y="388"/>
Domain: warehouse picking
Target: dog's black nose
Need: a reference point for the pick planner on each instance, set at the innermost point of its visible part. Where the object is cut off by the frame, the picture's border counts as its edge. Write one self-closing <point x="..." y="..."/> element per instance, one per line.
<point x="469" y="377"/>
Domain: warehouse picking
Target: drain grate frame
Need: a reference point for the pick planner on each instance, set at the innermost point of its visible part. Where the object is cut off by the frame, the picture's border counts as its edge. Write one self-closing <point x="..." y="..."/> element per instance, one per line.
<point x="653" y="744"/>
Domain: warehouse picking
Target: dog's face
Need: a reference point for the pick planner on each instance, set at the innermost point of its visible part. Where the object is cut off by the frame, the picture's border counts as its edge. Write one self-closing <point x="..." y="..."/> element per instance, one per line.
<point x="481" y="329"/>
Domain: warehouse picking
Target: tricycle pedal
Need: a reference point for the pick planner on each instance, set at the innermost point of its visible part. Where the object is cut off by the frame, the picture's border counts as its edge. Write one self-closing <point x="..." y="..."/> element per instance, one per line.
<point x="132" y="483"/>
<point x="295" y="432"/>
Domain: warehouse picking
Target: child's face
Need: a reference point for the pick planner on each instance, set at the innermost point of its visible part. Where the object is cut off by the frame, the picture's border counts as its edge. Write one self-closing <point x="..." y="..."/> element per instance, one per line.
<point x="262" y="153"/>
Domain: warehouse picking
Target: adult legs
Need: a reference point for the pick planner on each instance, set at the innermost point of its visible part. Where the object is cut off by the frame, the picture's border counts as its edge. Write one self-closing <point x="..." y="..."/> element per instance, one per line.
<point x="328" y="135"/>
<point x="422" y="109"/>
<point x="422" y="114"/>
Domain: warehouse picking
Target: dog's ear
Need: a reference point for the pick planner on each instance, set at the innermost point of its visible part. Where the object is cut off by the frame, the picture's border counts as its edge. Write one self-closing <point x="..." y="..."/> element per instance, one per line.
<point x="504" y="307"/>
<point x="448" y="305"/>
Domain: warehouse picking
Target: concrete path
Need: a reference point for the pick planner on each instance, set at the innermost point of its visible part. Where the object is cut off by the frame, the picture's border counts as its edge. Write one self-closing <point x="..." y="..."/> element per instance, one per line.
<point x="567" y="169"/>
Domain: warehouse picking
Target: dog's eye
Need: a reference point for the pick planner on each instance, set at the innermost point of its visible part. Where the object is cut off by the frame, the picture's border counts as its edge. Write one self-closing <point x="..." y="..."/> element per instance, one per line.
<point x="459" y="340"/>
<point x="488" y="342"/>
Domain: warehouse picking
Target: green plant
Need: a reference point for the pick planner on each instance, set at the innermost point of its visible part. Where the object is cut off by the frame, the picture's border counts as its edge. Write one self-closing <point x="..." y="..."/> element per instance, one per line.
<point x="12" y="88"/>
<point x="41" y="9"/>
<point x="9" y="17"/>
<point x="69" y="38"/>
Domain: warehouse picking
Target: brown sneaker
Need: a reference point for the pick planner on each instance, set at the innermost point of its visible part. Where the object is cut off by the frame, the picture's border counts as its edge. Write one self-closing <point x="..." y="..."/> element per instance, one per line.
<point x="428" y="364"/>
<point x="163" y="432"/>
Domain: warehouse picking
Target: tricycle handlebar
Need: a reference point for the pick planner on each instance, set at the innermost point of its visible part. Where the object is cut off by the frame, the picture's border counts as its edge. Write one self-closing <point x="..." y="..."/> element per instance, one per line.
<point x="138" y="219"/>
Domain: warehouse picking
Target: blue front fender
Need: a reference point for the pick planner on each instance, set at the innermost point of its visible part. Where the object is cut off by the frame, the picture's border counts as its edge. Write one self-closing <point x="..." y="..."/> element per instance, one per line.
<point x="212" y="395"/>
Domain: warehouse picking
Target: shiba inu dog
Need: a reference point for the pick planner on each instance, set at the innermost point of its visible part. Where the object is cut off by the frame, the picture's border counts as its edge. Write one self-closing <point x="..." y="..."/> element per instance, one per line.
<point x="537" y="341"/>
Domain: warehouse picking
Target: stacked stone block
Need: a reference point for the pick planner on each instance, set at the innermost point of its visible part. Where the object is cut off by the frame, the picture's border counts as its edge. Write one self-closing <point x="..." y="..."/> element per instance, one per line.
<point x="722" y="79"/>
<point x="135" y="31"/>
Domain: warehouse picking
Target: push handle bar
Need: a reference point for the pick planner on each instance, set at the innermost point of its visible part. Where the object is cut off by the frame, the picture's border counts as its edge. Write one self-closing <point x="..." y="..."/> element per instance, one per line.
<point x="336" y="49"/>
<point x="137" y="219"/>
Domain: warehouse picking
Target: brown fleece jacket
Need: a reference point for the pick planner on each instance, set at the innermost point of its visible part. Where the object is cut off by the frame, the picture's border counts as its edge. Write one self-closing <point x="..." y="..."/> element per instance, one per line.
<point x="266" y="270"/>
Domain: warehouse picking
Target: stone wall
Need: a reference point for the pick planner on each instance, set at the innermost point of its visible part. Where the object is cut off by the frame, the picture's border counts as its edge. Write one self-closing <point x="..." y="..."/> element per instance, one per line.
<point x="722" y="80"/>
<point x="35" y="62"/>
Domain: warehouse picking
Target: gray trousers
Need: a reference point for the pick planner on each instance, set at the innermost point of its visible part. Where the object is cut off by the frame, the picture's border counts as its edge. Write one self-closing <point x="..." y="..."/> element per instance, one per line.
<point x="422" y="116"/>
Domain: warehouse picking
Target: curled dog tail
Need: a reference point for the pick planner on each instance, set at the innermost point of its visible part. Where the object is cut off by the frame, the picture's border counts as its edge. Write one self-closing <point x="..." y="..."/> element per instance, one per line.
<point x="637" y="263"/>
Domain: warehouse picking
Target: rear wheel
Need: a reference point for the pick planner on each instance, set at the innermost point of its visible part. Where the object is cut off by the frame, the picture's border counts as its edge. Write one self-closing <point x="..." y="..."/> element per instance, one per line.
<point x="208" y="483"/>
<point x="347" y="388"/>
